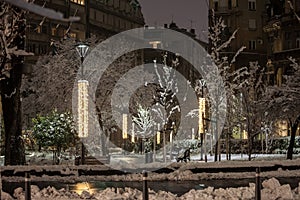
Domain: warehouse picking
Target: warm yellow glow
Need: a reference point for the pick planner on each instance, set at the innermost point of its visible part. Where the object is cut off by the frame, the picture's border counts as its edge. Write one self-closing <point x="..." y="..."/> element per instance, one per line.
<point x="124" y="129"/>
<point x="83" y="109"/>
<point x="132" y="133"/>
<point x="81" y="2"/>
<point x="245" y="135"/>
<point x="84" y="186"/>
<point x="193" y="133"/>
<point x="282" y="128"/>
<point x="158" y="137"/>
<point x="201" y="112"/>
<point x="155" y="44"/>
<point x="158" y="134"/>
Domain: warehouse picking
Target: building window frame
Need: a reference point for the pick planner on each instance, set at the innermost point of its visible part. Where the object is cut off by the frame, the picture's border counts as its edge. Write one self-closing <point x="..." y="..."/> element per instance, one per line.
<point x="229" y="4"/>
<point x="53" y="31"/>
<point x="298" y="43"/>
<point x="287" y="35"/>
<point x="216" y="5"/>
<point x="252" y="45"/>
<point x="252" y="5"/>
<point x="288" y="44"/>
<point x="252" y="24"/>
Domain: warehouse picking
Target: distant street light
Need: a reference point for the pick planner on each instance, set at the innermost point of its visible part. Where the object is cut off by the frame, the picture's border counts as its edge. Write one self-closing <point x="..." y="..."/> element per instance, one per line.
<point x="83" y="109"/>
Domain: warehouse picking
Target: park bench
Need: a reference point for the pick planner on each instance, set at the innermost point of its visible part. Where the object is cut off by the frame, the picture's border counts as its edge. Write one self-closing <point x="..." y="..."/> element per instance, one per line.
<point x="185" y="157"/>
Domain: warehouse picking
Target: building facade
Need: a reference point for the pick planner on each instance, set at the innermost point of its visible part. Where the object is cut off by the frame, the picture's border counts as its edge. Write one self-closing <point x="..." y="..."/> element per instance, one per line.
<point x="248" y="17"/>
<point x="283" y="32"/>
<point x="99" y="17"/>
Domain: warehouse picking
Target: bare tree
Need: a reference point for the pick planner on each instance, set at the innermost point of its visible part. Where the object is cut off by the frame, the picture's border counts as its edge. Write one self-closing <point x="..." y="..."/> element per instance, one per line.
<point x="251" y="86"/>
<point x="12" y="41"/>
<point x="217" y="46"/>
<point x="12" y="35"/>
<point x="282" y="102"/>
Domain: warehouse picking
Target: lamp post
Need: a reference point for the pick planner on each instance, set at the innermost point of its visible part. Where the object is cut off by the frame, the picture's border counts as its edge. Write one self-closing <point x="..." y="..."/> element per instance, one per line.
<point x="82" y="50"/>
<point x="82" y="84"/>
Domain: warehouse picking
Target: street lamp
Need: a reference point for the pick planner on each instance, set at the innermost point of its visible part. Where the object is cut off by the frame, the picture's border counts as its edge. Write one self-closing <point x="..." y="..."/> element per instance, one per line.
<point x="82" y="50"/>
<point x="83" y="113"/>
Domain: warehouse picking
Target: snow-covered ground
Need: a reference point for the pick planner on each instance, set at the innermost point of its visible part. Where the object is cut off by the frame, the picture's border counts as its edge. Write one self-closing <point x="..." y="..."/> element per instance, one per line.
<point x="271" y="190"/>
<point x="46" y="158"/>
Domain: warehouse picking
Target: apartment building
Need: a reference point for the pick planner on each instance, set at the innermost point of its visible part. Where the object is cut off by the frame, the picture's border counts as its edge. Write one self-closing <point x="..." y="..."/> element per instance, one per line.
<point x="248" y="17"/>
<point x="283" y="32"/>
<point x="100" y="17"/>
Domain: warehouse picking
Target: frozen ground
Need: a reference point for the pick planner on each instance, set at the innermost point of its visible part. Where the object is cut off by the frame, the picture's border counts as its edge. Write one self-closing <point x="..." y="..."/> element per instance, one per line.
<point x="183" y="172"/>
<point x="271" y="190"/>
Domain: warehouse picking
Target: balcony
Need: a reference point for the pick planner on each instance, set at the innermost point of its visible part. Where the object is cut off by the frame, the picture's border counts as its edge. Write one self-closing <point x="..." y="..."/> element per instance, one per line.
<point x="227" y="11"/>
<point x="283" y="55"/>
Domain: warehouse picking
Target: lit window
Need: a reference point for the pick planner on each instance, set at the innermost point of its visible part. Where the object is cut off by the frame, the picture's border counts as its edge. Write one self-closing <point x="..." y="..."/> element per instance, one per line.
<point x="73" y="35"/>
<point x="252" y="4"/>
<point x="252" y="45"/>
<point x="53" y="31"/>
<point x="38" y="29"/>
<point x="81" y="2"/>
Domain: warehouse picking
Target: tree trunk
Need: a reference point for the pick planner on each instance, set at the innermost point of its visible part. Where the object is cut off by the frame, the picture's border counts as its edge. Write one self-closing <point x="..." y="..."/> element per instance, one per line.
<point x="227" y="145"/>
<point x="11" y="103"/>
<point x="293" y="136"/>
<point x="250" y="139"/>
<point x="217" y="144"/>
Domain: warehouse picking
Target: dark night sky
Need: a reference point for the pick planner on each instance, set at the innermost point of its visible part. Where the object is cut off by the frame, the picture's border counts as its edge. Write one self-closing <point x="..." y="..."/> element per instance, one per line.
<point x="160" y="12"/>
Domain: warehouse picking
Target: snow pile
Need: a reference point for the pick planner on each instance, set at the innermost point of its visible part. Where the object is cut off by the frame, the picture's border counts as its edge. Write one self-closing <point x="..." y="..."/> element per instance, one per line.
<point x="272" y="190"/>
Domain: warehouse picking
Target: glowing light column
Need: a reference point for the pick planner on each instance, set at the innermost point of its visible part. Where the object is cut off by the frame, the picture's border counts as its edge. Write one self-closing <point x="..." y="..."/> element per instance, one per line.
<point x="201" y="112"/>
<point x="201" y="123"/>
<point x="83" y="106"/>
<point x="124" y="131"/>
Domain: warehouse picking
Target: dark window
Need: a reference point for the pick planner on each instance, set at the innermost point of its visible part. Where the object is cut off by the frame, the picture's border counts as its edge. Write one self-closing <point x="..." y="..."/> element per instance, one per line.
<point x="33" y="48"/>
<point x="289" y="44"/>
<point x="287" y="35"/>
<point x="252" y="45"/>
<point x="251" y="5"/>
<point x="229" y="4"/>
<point x="216" y="6"/>
<point x="297" y="5"/>
<point x="298" y="43"/>
<point x="44" y="29"/>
